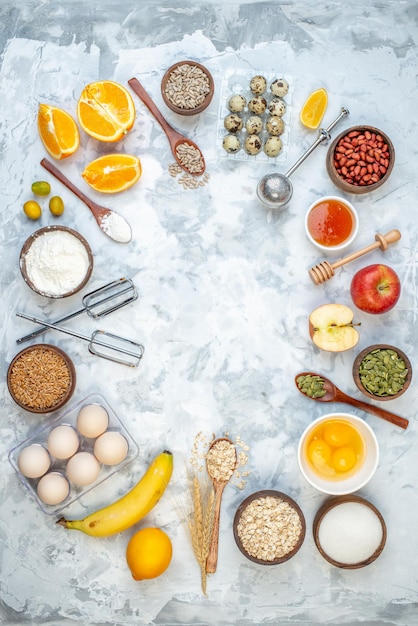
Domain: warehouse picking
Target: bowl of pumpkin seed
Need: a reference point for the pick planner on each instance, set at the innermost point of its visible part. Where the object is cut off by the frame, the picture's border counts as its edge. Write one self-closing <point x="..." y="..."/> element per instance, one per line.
<point x="382" y="372"/>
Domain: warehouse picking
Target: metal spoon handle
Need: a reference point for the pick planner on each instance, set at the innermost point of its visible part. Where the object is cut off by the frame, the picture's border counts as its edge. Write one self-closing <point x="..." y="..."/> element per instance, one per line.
<point x="323" y="137"/>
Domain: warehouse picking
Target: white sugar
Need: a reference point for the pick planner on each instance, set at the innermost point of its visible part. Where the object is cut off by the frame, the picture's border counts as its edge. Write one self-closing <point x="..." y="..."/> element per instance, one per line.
<point x="350" y="533"/>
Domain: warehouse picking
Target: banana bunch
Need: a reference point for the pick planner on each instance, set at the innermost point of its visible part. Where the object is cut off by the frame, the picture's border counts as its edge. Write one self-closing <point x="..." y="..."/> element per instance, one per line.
<point x="133" y="506"/>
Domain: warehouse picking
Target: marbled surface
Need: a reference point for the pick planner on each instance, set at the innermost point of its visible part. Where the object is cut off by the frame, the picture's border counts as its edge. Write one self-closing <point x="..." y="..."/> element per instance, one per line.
<point x="224" y="297"/>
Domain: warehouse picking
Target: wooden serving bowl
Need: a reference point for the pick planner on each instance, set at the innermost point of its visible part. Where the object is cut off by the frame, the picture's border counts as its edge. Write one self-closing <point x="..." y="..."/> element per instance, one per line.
<point x="356" y="374"/>
<point x="39" y="233"/>
<point x="274" y="494"/>
<point x="20" y="381"/>
<point x="330" y="504"/>
<point x="184" y="110"/>
<point x="336" y="177"/>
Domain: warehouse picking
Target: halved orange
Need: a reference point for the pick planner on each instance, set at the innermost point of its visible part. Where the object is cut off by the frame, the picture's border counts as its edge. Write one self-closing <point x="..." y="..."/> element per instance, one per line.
<point x="112" y="173"/>
<point x="314" y="108"/>
<point x="106" y="110"/>
<point x="58" y="131"/>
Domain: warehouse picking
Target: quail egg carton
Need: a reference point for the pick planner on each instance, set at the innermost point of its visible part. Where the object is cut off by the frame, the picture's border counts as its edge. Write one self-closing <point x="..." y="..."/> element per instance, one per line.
<point x="237" y="82"/>
<point x="86" y="444"/>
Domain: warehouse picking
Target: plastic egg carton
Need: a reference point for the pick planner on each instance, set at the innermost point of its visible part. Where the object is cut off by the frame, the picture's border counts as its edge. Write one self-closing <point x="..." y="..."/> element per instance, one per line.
<point x="69" y="417"/>
<point x="237" y="81"/>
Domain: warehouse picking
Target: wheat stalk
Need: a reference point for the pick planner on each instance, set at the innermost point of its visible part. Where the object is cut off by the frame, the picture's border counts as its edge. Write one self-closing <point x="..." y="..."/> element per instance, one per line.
<point x="200" y="521"/>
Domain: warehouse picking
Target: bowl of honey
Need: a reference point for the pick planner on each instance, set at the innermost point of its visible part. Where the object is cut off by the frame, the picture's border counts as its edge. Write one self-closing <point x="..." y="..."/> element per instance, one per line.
<point x="331" y="224"/>
<point x="338" y="453"/>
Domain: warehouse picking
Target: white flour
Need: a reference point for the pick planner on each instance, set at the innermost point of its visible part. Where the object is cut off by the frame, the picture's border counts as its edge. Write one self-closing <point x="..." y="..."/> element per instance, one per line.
<point x="116" y="227"/>
<point x="56" y="262"/>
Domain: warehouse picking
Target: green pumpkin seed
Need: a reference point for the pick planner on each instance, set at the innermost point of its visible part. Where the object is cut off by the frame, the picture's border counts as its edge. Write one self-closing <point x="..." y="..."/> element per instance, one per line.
<point x="383" y="372"/>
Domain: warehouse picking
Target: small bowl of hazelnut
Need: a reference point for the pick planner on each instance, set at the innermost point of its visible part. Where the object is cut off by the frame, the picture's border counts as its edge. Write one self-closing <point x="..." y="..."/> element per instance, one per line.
<point x="360" y="159"/>
<point x="187" y="87"/>
<point x="269" y="527"/>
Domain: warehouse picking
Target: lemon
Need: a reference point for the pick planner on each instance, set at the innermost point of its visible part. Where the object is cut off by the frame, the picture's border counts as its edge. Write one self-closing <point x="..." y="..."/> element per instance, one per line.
<point x="314" y="108"/>
<point x="32" y="210"/>
<point x="41" y="188"/>
<point x="149" y="553"/>
<point x="56" y="205"/>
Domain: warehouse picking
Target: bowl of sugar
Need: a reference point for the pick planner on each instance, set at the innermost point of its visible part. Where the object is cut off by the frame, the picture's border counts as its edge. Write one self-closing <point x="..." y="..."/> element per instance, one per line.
<point x="349" y="531"/>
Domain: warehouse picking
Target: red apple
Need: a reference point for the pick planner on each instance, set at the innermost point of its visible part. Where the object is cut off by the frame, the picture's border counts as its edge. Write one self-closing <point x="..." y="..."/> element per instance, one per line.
<point x="375" y="288"/>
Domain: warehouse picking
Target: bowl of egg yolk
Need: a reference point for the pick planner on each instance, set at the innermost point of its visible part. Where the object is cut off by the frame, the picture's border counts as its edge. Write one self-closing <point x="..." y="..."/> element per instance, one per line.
<point x="338" y="453"/>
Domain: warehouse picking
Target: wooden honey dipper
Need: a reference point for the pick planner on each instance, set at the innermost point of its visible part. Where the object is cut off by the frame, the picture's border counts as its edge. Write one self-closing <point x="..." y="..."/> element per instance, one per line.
<point x="325" y="270"/>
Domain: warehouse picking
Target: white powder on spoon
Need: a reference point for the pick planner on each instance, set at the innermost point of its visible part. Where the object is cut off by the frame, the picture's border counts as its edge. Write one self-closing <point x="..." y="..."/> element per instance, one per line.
<point x="350" y="533"/>
<point x="56" y="262"/>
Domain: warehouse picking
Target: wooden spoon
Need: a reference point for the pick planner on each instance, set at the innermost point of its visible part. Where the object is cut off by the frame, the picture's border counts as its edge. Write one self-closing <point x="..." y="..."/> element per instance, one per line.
<point x="219" y="486"/>
<point x="175" y="138"/>
<point x="333" y="394"/>
<point x="111" y="223"/>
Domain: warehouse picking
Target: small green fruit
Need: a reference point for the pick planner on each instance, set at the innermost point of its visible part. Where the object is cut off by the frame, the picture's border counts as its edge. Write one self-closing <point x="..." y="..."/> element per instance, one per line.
<point x="32" y="210"/>
<point x="41" y="188"/>
<point x="56" y="205"/>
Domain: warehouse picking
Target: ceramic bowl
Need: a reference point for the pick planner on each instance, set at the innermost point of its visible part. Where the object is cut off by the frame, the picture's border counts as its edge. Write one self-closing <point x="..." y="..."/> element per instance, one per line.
<point x="274" y="499"/>
<point x="341" y="483"/>
<point x="51" y="265"/>
<point x="361" y="183"/>
<point x="349" y="532"/>
<point x="46" y="368"/>
<point x="325" y="208"/>
<point x="179" y="101"/>
<point x="379" y="372"/>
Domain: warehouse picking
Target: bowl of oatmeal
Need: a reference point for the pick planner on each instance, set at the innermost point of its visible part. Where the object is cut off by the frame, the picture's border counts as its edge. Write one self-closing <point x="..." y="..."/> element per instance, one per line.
<point x="41" y="378"/>
<point x="269" y="527"/>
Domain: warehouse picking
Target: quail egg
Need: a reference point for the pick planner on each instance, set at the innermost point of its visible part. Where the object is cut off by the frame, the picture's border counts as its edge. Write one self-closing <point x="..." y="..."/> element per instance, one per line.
<point x="253" y="144"/>
<point x="273" y="146"/>
<point x="275" y="125"/>
<point x="254" y="125"/>
<point x="233" y="123"/>
<point x="231" y="144"/>
<point x="237" y="103"/>
<point x="257" y="105"/>
<point x="279" y="87"/>
<point x="258" y="85"/>
<point x="277" y="107"/>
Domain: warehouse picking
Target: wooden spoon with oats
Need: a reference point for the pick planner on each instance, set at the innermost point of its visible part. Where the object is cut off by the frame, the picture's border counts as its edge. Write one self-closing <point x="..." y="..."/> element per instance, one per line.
<point x="187" y="154"/>
<point x="221" y="462"/>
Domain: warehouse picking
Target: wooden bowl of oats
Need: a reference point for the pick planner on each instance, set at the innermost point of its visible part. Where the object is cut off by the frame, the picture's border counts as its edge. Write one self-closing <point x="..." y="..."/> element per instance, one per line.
<point x="41" y="378"/>
<point x="269" y="527"/>
<point x="187" y="88"/>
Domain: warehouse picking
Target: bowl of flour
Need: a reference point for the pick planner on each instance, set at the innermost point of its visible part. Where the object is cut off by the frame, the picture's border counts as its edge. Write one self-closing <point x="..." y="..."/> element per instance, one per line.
<point x="56" y="261"/>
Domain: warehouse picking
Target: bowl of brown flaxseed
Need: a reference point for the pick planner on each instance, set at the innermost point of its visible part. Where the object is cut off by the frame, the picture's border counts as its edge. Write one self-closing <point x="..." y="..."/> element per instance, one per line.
<point x="187" y="88"/>
<point x="269" y="527"/>
<point x="41" y="378"/>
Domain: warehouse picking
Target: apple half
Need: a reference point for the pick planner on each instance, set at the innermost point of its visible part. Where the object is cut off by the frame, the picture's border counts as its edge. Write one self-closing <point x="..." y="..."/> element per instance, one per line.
<point x="331" y="328"/>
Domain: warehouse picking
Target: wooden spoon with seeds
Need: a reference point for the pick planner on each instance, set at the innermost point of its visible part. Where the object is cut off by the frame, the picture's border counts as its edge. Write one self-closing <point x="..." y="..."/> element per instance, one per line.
<point x="333" y="394"/>
<point x="221" y="462"/>
<point x="187" y="154"/>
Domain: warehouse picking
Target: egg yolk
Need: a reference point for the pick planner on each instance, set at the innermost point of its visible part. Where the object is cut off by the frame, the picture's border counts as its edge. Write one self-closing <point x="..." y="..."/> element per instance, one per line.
<point x="335" y="449"/>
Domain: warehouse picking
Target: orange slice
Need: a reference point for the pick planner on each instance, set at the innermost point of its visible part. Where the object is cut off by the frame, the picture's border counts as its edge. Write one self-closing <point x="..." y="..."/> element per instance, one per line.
<point x="314" y="108"/>
<point x="112" y="173"/>
<point x="58" y="131"/>
<point x="106" y="110"/>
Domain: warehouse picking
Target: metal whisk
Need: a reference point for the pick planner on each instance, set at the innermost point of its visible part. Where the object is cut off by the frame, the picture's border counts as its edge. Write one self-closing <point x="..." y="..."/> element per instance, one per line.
<point x="97" y="303"/>
<point x="116" y="345"/>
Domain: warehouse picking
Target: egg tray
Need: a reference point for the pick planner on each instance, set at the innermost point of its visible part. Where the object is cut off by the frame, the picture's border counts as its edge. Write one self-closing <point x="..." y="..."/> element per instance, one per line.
<point x="237" y="81"/>
<point x="69" y="417"/>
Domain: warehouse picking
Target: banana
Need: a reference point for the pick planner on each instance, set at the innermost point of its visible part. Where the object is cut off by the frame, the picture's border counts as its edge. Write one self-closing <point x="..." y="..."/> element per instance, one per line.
<point x="130" y="508"/>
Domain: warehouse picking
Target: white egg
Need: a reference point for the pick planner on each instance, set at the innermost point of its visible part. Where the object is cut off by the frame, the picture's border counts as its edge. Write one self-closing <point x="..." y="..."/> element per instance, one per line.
<point x="53" y="488"/>
<point x="92" y="420"/>
<point x="83" y="468"/>
<point x="63" y="441"/>
<point x="34" y="461"/>
<point x="111" y="448"/>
